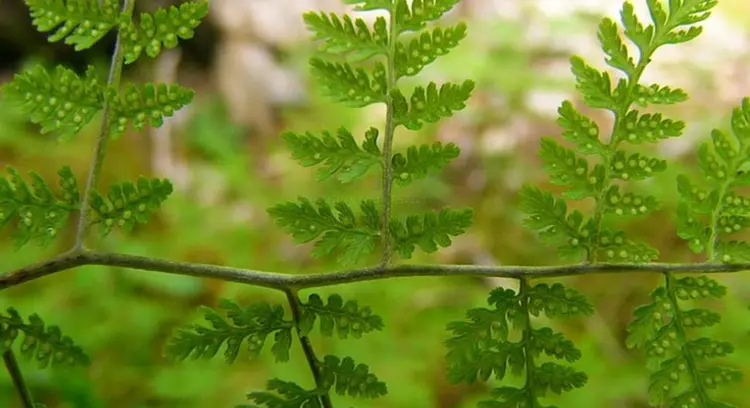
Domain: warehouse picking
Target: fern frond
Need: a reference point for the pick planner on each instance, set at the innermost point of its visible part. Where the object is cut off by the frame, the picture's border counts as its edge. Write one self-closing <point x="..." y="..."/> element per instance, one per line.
<point x="340" y="155"/>
<point x="348" y="36"/>
<point x="42" y="213"/>
<point x="146" y="104"/>
<point x="128" y="203"/>
<point x="251" y="324"/>
<point x="59" y="101"/>
<point x="431" y="104"/>
<point x="419" y="160"/>
<point x="354" y="236"/>
<point x="426" y="48"/>
<point x="350" y="379"/>
<point x="347" y="318"/>
<point x="353" y="87"/>
<point x="287" y="395"/>
<point x="84" y="22"/>
<point x="44" y="344"/>
<point x="479" y="347"/>
<point x="429" y="231"/>
<point x="660" y="328"/>
<point x="163" y="28"/>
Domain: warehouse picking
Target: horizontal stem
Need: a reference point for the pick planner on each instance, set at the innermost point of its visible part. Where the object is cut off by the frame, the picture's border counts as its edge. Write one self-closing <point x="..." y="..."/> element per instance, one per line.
<point x="285" y="282"/>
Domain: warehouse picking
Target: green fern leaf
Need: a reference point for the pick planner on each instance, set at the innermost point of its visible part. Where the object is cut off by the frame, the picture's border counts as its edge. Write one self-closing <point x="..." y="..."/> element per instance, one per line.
<point x="354" y="236"/>
<point x="287" y="395"/>
<point x="635" y="166"/>
<point x="580" y="130"/>
<point x="251" y="324"/>
<point x="616" y="247"/>
<point x="657" y="94"/>
<point x="478" y="347"/>
<point x="350" y="379"/>
<point x="353" y="87"/>
<point x="348" y="36"/>
<point x="342" y="158"/>
<point x="163" y="28"/>
<point x="614" y="47"/>
<point x="420" y="13"/>
<point x="567" y="169"/>
<point x="553" y="344"/>
<point x="558" y="301"/>
<point x="424" y="50"/>
<point x="648" y="128"/>
<point x="59" y="101"/>
<point x="44" y="344"/>
<point x="347" y="318"/>
<point x="146" y="104"/>
<point x="430" y="105"/>
<point x="429" y="231"/>
<point x="549" y="217"/>
<point x="595" y="86"/>
<point x="42" y="213"/>
<point x="629" y="204"/>
<point x="557" y="378"/>
<point x="84" y="22"/>
<point x="419" y="161"/>
<point x="128" y="203"/>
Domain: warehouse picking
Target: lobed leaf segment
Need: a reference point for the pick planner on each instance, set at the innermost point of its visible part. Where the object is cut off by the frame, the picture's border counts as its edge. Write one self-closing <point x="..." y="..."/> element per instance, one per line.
<point x="253" y="324"/>
<point x="46" y="345"/>
<point x="396" y="46"/>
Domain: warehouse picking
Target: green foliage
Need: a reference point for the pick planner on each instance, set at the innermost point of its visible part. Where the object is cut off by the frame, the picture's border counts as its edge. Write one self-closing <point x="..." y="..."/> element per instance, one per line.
<point x="41" y="343"/>
<point x="287" y="395"/>
<point x="161" y="29"/>
<point x="388" y="59"/>
<point x="429" y="231"/>
<point x="350" y="379"/>
<point x="347" y="318"/>
<point x="353" y="235"/>
<point x="59" y="101"/>
<point x="251" y="325"/>
<point x="128" y="203"/>
<point x="41" y="212"/>
<point x="81" y="23"/>
<point x="144" y="104"/>
<point x="491" y="343"/>
<point x="682" y="375"/>
<point x="340" y="155"/>
<point x="431" y="104"/>
<point x="480" y="347"/>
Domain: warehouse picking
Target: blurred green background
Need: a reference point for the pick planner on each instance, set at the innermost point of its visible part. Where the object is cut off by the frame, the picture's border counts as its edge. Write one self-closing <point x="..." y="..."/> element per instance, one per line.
<point x="248" y="64"/>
